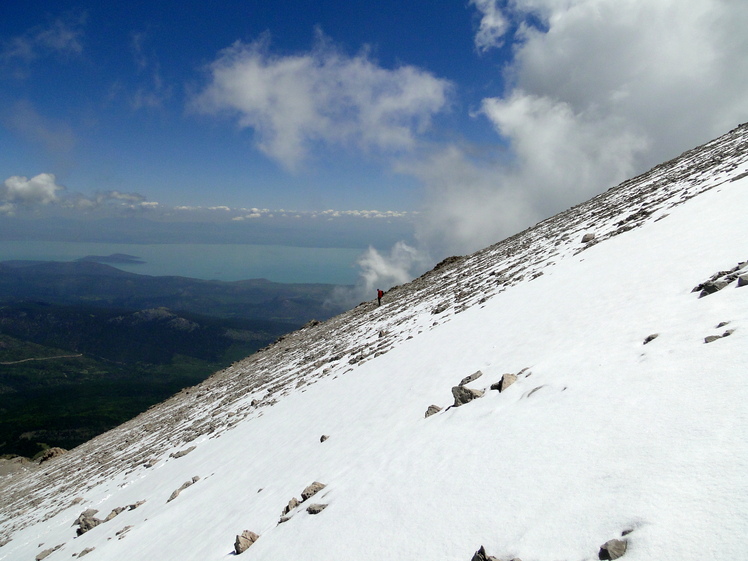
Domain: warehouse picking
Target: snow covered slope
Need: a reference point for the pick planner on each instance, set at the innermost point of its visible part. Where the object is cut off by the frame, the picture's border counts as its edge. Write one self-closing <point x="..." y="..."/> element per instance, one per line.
<point x="609" y="432"/>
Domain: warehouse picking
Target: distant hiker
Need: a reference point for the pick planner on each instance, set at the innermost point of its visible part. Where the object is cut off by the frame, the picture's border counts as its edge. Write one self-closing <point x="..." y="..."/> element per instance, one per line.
<point x="379" y="297"/>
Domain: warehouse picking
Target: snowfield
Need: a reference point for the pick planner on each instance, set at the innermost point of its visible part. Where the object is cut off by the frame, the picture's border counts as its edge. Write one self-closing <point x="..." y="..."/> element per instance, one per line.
<point x="602" y="436"/>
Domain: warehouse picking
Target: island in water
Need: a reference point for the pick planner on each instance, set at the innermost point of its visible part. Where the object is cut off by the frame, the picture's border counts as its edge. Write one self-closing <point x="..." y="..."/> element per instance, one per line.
<point x="118" y="258"/>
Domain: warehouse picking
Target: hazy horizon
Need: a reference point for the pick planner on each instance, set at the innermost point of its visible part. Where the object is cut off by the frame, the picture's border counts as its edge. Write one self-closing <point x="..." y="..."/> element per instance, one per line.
<point x="224" y="262"/>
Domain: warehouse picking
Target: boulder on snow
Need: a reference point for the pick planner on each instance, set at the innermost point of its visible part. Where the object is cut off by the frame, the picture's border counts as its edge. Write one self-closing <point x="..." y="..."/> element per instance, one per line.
<point x="432" y="410"/>
<point x="481" y="555"/>
<point x="506" y="381"/>
<point x="712" y="338"/>
<point x="85" y="552"/>
<point x="292" y="504"/>
<point x="651" y="338"/>
<point x="182" y="453"/>
<point x="612" y="549"/>
<point x="588" y="238"/>
<point x="311" y="490"/>
<point x="468" y="379"/>
<point x="244" y="541"/>
<point x="47" y="552"/>
<point x="743" y="280"/>
<point x="323" y="437"/>
<point x="464" y="395"/>
<point x="710" y="287"/>
<point x="186" y="484"/>
<point x="315" y="508"/>
<point x="114" y="513"/>
<point x="87" y="521"/>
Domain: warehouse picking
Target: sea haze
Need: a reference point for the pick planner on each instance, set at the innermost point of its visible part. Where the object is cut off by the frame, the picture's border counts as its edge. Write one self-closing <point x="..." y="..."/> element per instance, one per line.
<point x="227" y="262"/>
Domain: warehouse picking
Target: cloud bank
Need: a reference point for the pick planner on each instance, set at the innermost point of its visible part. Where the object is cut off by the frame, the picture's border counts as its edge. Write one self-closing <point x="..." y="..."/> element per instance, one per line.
<point x="294" y="102"/>
<point x="596" y="91"/>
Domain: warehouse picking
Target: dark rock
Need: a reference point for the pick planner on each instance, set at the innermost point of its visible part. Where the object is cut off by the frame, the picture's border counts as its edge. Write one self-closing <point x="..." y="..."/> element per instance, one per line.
<point x="481" y="555"/>
<point x="464" y="395"/>
<point x="506" y="381"/>
<point x="712" y="338"/>
<point x="651" y="338"/>
<point x="710" y="287"/>
<point x="311" y="490"/>
<point x="440" y="308"/>
<point x="721" y="324"/>
<point x="743" y="280"/>
<point x="244" y="541"/>
<point x="85" y="552"/>
<point x="432" y="410"/>
<point x="51" y="453"/>
<point x="292" y="504"/>
<point x="447" y="261"/>
<point x="588" y="238"/>
<point x="87" y="521"/>
<point x="612" y="549"/>
<point x="468" y="379"/>
<point x="323" y="438"/>
<point x="315" y="508"/>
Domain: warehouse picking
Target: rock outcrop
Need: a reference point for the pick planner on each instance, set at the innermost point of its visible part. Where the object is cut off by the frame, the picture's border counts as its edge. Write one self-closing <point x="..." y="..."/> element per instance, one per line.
<point x="432" y="410"/>
<point x="612" y="549"/>
<point x="465" y="395"/>
<point x="244" y="541"/>
<point x="311" y="490"/>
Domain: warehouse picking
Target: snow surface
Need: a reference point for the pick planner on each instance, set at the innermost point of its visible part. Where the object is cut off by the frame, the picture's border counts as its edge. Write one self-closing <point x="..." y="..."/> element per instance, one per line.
<point x="601" y="434"/>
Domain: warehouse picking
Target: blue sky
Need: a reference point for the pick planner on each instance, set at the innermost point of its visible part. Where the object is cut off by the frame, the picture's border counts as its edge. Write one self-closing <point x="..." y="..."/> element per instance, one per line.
<point x="117" y="99"/>
<point x="454" y="124"/>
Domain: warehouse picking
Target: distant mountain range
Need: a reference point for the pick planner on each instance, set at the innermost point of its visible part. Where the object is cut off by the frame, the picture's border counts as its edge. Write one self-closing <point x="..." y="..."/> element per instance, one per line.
<point x="93" y="283"/>
<point x="85" y="346"/>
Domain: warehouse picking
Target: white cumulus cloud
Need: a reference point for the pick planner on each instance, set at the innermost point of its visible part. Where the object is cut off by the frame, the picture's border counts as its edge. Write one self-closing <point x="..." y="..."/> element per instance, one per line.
<point x="493" y="24"/>
<point x="292" y="102"/>
<point x="40" y="189"/>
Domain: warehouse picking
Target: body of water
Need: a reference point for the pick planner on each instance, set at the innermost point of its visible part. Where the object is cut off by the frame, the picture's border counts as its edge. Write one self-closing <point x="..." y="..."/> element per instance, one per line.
<point x="228" y="262"/>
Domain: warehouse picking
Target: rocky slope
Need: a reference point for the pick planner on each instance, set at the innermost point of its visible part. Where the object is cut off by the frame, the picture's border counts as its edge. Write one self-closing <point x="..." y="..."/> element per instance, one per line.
<point x="261" y="411"/>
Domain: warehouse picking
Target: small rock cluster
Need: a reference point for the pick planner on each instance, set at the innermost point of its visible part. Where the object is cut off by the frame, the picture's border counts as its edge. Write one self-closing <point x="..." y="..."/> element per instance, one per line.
<point x="186" y="484"/>
<point x="244" y="541"/>
<point x="463" y="395"/>
<point x="722" y="279"/>
<point x="727" y="333"/>
<point x="47" y="552"/>
<point x="87" y="521"/>
<point x="610" y="550"/>
<point x="308" y="492"/>
<point x="182" y="453"/>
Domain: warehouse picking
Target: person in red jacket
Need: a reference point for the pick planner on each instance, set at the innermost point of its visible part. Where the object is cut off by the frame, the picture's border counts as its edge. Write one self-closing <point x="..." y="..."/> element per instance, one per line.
<point x="379" y="297"/>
